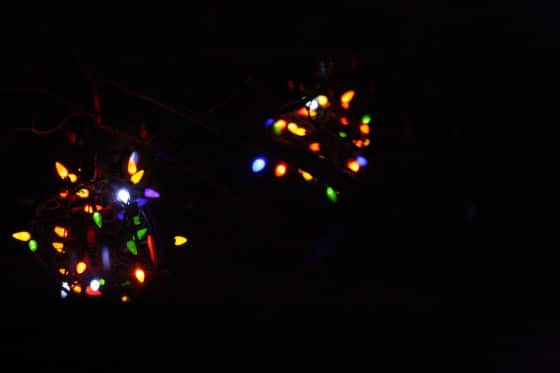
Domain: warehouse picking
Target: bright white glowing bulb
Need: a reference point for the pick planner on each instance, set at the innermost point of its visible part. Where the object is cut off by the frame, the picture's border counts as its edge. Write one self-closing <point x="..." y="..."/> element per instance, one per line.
<point x="123" y="195"/>
<point x="63" y="293"/>
<point x="313" y="104"/>
<point x="66" y="286"/>
<point x="94" y="284"/>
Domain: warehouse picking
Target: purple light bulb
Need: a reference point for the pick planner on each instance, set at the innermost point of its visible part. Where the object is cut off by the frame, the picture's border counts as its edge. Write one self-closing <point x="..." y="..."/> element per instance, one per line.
<point x="150" y="193"/>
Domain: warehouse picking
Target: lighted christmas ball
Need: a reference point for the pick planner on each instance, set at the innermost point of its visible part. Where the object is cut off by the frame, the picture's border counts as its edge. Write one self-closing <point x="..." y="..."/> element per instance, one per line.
<point x="96" y="233"/>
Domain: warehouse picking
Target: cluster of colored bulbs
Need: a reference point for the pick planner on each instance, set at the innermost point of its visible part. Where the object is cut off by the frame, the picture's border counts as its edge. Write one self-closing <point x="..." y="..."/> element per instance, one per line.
<point x="97" y="235"/>
<point x="328" y="129"/>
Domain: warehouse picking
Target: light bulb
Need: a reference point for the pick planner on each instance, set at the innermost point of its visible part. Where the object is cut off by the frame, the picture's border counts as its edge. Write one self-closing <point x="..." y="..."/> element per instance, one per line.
<point x="83" y="193"/>
<point x="81" y="267"/>
<point x="281" y="169"/>
<point x="362" y="161"/>
<point x="60" y="231"/>
<point x="137" y="177"/>
<point x="132" y="166"/>
<point x="106" y="258"/>
<point x="97" y="219"/>
<point x="180" y="240"/>
<point x="315" y="147"/>
<point x="123" y="195"/>
<point x="258" y="164"/>
<point x="331" y="194"/>
<point x="22" y="236"/>
<point x="61" y="170"/>
<point x="94" y="284"/>
<point x="150" y="193"/>
<point x="140" y="275"/>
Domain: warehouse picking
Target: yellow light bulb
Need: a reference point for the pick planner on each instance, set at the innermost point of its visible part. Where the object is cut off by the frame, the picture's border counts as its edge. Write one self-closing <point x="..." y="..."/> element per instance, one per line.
<point x="322" y="100"/>
<point x="140" y="275"/>
<point x="63" y="271"/>
<point x="296" y="130"/>
<point x="58" y="246"/>
<point x="73" y="178"/>
<point x="306" y="175"/>
<point x="180" y="240"/>
<point x="63" y="194"/>
<point x="137" y="177"/>
<point x="61" y="170"/>
<point x="132" y="167"/>
<point x="83" y="193"/>
<point x="347" y="96"/>
<point x="81" y="267"/>
<point x="22" y="236"/>
<point x="307" y="112"/>
<point x="353" y="165"/>
<point x="60" y="231"/>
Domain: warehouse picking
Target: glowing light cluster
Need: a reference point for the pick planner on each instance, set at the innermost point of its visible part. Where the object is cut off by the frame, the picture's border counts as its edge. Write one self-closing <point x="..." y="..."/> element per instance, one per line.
<point x="98" y="227"/>
<point x="327" y="126"/>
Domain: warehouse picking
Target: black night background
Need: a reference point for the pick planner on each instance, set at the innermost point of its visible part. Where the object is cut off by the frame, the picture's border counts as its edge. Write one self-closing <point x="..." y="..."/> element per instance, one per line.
<point x="435" y="246"/>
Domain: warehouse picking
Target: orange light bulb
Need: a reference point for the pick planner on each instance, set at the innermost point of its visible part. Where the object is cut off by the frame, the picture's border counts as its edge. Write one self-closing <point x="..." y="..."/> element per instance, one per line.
<point x="281" y="169"/>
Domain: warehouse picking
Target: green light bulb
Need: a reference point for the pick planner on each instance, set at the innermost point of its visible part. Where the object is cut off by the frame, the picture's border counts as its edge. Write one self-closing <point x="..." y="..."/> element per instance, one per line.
<point x="366" y="119"/>
<point x="97" y="219"/>
<point x="131" y="246"/>
<point x="331" y="194"/>
<point x="136" y="220"/>
<point x="140" y="233"/>
<point x="343" y="134"/>
<point x="33" y="245"/>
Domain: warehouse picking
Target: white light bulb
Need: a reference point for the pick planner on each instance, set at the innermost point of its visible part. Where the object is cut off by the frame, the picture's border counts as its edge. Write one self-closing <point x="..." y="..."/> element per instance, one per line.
<point x="94" y="285"/>
<point x="123" y="195"/>
<point x="313" y="104"/>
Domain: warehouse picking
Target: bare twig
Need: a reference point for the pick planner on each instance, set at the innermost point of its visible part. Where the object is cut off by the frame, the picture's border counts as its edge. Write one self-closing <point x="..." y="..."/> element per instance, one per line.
<point x="164" y="106"/>
<point x="59" y="126"/>
<point x="103" y="126"/>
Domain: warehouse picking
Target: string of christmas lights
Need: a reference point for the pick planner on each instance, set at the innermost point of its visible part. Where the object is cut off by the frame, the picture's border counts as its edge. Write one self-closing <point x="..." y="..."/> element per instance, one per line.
<point x="326" y="127"/>
<point x="96" y="232"/>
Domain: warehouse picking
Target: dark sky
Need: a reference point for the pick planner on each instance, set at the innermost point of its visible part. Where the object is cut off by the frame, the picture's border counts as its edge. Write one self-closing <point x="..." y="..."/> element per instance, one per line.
<point x="428" y="232"/>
